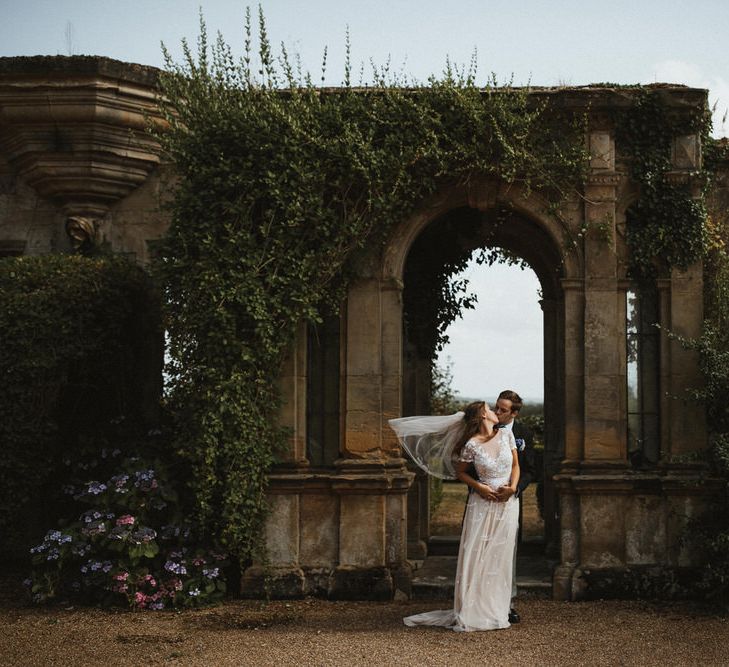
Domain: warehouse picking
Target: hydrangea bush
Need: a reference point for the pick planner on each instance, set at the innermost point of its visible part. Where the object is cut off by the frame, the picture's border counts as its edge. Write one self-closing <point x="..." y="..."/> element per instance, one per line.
<point x="128" y="544"/>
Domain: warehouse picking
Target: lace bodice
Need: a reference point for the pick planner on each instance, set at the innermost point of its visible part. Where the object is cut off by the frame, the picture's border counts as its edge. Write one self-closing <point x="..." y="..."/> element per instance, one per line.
<point x="492" y="459"/>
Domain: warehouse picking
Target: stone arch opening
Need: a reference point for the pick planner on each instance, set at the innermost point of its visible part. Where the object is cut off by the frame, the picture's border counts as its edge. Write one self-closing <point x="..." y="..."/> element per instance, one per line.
<point x="454" y="233"/>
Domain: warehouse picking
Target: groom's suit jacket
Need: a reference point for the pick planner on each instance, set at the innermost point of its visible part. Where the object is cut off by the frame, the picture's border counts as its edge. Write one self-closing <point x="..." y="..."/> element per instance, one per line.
<point x="525" y="447"/>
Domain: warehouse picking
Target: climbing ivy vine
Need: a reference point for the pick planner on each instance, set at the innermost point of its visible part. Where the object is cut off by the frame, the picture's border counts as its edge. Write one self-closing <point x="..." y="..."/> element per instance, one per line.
<point x="666" y="227"/>
<point x="280" y="186"/>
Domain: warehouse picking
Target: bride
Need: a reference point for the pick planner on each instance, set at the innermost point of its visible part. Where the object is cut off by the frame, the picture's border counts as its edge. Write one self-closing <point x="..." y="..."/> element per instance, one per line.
<point x="485" y="557"/>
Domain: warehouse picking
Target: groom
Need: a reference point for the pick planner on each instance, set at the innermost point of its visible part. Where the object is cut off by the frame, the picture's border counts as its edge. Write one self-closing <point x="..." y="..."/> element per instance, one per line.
<point x="507" y="410"/>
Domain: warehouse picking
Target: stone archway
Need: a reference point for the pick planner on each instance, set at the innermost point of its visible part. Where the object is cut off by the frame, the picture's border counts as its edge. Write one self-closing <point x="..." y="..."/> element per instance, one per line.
<point x="542" y="241"/>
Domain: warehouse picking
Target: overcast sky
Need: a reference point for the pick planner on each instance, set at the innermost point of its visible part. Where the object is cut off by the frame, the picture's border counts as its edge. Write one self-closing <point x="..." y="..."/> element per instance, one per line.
<point x="543" y="42"/>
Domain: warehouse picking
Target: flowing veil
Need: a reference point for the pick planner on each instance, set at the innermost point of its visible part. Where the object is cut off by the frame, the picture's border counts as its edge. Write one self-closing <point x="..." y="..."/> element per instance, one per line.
<point x="430" y="441"/>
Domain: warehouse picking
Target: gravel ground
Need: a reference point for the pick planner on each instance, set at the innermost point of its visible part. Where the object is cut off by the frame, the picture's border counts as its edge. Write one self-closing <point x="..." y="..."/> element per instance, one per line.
<point x="317" y="632"/>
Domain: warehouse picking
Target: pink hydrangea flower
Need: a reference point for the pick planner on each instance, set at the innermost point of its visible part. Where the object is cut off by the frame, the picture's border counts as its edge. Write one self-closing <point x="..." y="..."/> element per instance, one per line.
<point x="121" y="576"/>
<point x="126" y="520"/>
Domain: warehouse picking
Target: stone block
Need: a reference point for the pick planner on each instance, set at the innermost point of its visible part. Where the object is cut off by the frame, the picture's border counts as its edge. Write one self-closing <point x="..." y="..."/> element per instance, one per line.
<point x="362" y="444"/>
<point x="391" y="332"/>
<point x="282" y="530"/>
<point x="680" y="511"/>
<point x="363" y="330"/>
<point x="318" y="581"/>
<point x="319" y="531"/>
<point x="362" y="531"/>
<point x="603" y="336"/>
<point x="363" y="393"/>
<point x="395" y="528"/>
<point x="686" y="153"/>
<point x="604" y="440"/>
<point x="602" y="531"/>
<point x="645" y="530"/>
<point x="602" y="151"/>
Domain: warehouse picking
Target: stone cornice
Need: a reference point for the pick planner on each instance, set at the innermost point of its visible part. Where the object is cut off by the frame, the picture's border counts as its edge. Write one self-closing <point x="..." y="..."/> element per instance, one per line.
<point x="630" y="483"/>
<point x="74" y="128"/>
<point x="61" y="67"/>
<point x="349" y="477"/>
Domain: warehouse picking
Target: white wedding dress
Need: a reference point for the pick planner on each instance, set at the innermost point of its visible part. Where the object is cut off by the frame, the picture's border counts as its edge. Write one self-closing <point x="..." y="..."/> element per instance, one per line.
<point x="485" y="557"/>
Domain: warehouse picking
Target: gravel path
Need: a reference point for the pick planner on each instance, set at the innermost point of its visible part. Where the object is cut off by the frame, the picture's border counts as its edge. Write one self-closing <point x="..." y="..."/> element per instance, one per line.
<point x="317" y="632"/>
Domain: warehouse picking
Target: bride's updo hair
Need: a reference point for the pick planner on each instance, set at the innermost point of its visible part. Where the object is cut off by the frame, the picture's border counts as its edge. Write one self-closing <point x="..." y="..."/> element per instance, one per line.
<point x="472" y="415"/>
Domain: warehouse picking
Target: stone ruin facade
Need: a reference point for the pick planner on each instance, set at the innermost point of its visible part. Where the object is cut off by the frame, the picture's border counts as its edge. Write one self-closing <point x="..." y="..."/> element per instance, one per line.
<point x="348" y="514"/>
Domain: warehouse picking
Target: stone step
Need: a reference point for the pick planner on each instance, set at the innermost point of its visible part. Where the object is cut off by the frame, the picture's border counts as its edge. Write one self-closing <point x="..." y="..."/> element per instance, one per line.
<point x="434" y="578"/>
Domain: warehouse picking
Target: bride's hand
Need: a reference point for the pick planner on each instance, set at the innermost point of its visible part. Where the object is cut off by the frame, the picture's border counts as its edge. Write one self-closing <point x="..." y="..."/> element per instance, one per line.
<point x="486" y="492"/>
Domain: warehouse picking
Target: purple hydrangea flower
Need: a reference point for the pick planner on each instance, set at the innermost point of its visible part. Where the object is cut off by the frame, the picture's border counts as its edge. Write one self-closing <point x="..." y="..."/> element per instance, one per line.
<point x="95" y="488"/>
<point x="211" y="573"/>
<point x="176" y="568"/>
<point x="145" y="480"/>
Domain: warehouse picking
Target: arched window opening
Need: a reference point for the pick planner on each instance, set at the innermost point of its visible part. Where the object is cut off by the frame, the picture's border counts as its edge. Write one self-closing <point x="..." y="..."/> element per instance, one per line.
<point x="642" y="337"/>
<point x="322" y="392"/>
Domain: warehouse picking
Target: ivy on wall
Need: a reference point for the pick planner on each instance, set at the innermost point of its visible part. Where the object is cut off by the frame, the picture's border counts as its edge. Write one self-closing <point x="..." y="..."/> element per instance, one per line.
<point x="666" y="227"/>
<point x="281" y="186"/>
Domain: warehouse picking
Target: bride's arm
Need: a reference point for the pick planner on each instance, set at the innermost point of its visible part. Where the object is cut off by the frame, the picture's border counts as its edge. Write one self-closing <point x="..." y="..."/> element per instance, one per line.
<point x="483" y="490"/>
<point x="515" y="471"/>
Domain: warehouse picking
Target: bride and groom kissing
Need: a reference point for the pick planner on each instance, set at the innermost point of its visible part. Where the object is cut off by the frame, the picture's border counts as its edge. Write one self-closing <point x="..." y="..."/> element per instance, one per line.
<point x="492" y="453"/>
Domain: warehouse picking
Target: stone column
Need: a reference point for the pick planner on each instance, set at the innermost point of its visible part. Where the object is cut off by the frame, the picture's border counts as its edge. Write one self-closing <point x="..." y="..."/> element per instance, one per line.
<point x="363" y="373"/>
<point x="574" y="373"/>
<point x="605" y="441"/>
<point x="371" y="478"/>
<point x="686" y="318"/>
<point x="553" y="417"/>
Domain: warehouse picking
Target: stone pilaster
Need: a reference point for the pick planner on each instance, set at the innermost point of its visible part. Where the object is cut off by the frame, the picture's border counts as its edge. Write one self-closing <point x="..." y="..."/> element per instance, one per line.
<point x="363" y="371"/>
<point x="604" y="337"/>
<point x="574" y="372"/>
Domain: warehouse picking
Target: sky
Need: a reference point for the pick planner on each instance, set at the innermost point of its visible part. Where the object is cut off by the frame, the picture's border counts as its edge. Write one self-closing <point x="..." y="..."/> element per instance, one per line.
<point x="538" y="42"/>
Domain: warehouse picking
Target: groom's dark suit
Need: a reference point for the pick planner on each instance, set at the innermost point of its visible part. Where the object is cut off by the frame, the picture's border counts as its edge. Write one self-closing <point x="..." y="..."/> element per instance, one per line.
<point x="527" y="470"/>
<point x="525" y="447"/>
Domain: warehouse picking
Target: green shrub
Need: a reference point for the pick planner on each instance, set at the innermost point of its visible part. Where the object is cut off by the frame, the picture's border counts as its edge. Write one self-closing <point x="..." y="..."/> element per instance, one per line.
<point x="80" y="362"/>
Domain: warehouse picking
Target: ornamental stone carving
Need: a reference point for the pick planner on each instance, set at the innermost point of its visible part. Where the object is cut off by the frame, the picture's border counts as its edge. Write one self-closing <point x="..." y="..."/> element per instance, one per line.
<point x="74" y="128"/>
<point x="686" y="152"/>
<point x="82" y="232"/>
